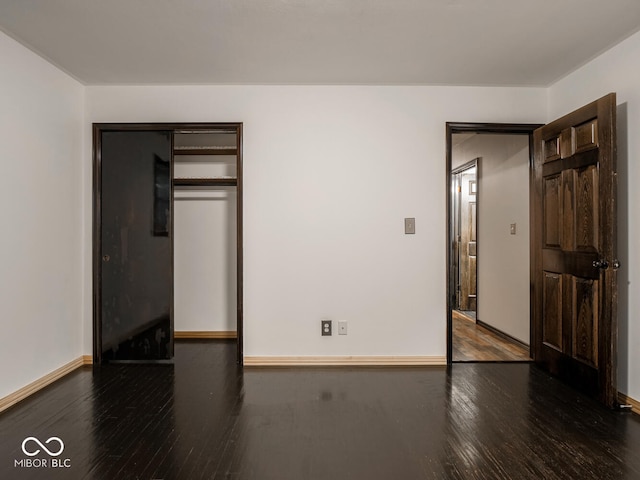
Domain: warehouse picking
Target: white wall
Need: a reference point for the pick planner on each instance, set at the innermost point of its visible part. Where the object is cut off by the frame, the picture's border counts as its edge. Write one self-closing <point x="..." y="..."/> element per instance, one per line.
<point x="41" y="282"/>
<point x="617" y="70"/>
<point x="503" y="259"/>
<point x="330" y="173"/>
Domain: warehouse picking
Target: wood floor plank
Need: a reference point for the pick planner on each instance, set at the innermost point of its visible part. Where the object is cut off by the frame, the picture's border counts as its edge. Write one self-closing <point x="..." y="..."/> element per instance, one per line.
<point x="206" y="418"/>
<point x="473" y="342"/>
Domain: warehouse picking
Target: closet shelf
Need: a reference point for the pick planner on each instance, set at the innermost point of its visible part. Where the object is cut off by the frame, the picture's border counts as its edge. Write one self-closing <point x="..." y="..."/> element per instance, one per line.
<point x="205" y="182"/>
<point x="205" y="150"/>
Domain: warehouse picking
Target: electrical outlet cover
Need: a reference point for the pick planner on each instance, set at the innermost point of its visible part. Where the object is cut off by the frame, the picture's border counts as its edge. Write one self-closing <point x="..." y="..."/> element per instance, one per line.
<point x="326" y="328"/>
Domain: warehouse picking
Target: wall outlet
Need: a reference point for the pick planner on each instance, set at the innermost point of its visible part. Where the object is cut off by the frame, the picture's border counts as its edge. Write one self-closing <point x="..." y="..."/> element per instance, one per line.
<point x="342" y="328"/>
<point x="326" y="328"/>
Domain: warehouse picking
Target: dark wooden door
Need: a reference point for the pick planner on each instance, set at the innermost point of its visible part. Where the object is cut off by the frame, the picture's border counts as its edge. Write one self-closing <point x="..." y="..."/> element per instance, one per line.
<point x="135" y="251"/>
<point x="464" y="230"/>
<point x="468" y="239"/>
<point x="574" y="249"/>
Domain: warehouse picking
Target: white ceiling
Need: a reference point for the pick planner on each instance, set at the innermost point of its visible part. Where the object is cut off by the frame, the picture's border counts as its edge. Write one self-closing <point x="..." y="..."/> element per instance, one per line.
<point x="371" y="42"/>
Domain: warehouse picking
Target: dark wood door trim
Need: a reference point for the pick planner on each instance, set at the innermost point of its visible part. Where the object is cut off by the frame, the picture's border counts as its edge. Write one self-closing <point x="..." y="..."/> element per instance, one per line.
<point x="98" y="128"/>
<point x="97" y="244"/>
<point x="239" y="251"/>
<point x="480" y="128"/>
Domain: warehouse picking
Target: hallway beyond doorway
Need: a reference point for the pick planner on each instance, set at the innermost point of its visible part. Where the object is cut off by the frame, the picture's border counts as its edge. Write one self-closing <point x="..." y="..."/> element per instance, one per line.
<point x="474" y="342"/>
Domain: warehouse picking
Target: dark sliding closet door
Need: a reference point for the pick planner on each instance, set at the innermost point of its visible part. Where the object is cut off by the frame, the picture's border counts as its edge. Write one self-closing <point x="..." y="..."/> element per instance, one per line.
<point x="136" y="275"/>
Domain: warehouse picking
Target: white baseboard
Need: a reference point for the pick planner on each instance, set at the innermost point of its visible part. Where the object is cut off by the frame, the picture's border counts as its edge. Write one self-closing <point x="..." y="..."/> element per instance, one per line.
<point x="266" y="361"/>
<point x="349" y="360"/>
<point x="42" y="382"/>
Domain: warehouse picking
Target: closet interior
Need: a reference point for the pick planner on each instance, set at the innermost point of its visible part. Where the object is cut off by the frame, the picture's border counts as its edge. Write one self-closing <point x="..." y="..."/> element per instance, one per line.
<point x="205" y="179"/>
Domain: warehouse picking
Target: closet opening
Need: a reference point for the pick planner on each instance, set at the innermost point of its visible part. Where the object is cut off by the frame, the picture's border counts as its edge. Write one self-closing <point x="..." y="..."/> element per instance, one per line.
<point x="167" y="237"/>
<point x="205" y="206"/>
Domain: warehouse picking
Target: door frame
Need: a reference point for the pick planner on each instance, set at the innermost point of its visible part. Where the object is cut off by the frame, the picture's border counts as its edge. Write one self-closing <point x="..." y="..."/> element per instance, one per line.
<point x="481" y="128"/>
<point x="98" y="128"/>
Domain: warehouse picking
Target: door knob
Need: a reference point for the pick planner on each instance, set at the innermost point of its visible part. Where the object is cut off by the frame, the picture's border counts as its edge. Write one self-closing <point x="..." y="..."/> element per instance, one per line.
<point x="601" y="264"/>
<point x="616" y="264"/>
<point x="106" y="258"/>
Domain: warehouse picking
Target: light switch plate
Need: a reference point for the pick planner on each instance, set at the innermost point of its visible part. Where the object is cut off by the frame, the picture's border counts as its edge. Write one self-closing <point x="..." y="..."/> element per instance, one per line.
<point x="409" y="226"/>
<point x="512" y="229"/>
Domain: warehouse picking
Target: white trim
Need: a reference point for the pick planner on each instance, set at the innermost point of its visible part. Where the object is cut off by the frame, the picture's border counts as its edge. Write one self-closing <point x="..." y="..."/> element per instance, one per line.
<point x="42" y="382"/>
<point x="373" y="360"/>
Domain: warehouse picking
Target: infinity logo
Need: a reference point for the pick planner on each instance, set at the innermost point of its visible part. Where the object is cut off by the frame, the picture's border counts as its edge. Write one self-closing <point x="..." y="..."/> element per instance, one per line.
<point x="34" y="439"/>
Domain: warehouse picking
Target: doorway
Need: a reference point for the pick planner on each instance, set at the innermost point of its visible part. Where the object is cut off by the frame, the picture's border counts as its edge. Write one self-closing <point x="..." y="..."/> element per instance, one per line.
<point x="488" y="212"/>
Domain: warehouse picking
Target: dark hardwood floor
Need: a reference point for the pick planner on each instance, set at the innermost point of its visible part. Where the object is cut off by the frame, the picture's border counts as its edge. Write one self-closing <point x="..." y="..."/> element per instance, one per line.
<point x="474" y="343"/>
<point x="203" y="418"/>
